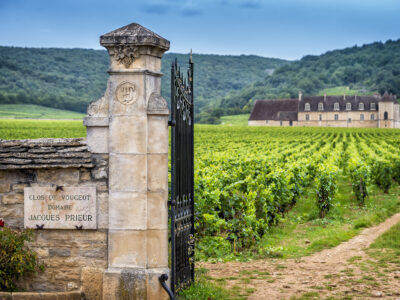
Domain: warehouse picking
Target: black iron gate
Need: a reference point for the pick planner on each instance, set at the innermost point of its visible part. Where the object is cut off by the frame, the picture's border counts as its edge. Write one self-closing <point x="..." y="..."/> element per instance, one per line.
<point x="182" y="179"/>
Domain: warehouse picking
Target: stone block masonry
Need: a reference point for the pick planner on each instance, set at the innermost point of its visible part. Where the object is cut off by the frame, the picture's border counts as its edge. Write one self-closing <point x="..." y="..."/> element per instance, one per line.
<point x="66" y="254"/>
<point x="125" y="158"/>
<point x="42" y="296"/>
<point x="135" y="117"/>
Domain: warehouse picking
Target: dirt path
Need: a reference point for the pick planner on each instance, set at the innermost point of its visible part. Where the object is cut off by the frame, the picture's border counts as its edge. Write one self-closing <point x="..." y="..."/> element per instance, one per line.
<point x="343" y="272"/>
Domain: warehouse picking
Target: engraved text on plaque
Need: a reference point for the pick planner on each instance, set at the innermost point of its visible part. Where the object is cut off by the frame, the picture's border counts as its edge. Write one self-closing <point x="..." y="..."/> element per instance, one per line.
<point x="60" y="208"/>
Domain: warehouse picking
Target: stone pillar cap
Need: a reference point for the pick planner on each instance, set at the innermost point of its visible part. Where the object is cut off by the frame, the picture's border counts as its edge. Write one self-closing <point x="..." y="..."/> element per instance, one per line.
<point x="133" y="34"/>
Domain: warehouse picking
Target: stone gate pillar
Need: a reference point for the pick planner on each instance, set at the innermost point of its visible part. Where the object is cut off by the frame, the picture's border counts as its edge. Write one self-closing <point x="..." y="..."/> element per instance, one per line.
<point x="132" y="119"/>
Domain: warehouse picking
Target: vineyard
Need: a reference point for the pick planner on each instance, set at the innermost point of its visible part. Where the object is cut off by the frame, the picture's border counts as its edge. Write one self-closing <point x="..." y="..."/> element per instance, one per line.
<point x="35" y="129"/>
<point x="247" y="179"/>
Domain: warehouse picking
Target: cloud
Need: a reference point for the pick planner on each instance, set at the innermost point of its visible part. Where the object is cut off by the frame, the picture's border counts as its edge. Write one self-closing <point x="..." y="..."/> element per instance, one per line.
<point x="155" y="8"/>
<point x="250" y="4"/>
<point x="186" y="9"/>
<point x="189" y="8"/>
<point x="190" y="11"/>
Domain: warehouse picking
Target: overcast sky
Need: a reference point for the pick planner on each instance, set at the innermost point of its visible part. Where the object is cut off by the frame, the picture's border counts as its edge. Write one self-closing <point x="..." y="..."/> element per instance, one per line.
<point x="286" y="29"/>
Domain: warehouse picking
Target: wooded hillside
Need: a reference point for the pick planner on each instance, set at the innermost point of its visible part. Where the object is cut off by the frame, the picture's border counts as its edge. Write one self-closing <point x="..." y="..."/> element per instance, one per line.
<point x="224" y="85"/>
<point x="369" y="68"/>
<point x="71" y="78"/>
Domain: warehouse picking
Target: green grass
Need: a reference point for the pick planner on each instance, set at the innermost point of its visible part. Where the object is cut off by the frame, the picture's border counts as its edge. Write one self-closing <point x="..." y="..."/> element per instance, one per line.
<point x="302" y="232"/>
<point x="341" y="223"/>
<point x="389" y="240"/>
<point x="207" y="288"/>
<point x="341" y="90"/>
<point x="380" y="266"/>
<point x="235" y="120"/>
<point x="30" y="111"/>
<point x="307" y="296"/>
<point x="33" y="129"/>
<point x="204" y="289"/>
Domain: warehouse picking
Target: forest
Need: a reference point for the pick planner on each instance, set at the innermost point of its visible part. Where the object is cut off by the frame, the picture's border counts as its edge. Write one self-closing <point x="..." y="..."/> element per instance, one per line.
<point x="369" y="68"/>
<point x="224" y="84"/>
<point x="71" y="78"/>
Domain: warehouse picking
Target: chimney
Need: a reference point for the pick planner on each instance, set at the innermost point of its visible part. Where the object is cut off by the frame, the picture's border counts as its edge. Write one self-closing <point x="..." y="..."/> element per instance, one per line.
<point x="344" y="97"/>
<point x="325" y="97"/>
<point x="300" y="95"/>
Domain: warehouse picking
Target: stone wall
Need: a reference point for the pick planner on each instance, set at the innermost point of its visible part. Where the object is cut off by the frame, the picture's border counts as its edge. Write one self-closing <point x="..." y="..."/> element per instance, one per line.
<point x="130" y="122"/>
<point x="42" y="296"/>
<point x="271" y="123"/>
<point x="125" y="156"/>
<point x="257" y="123"/>
<point x="327" y="120"/>
<point x="344" y="117"/>
<point x="74" y="260"/>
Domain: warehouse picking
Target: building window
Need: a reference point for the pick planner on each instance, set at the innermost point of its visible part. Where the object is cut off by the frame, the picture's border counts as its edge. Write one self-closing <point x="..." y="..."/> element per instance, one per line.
<point x="307" y="117"/>
<point x="290" y="123"/>
<point x="362" y="117"/>
<point x="373" y="106"/>
<point x="320" y="106"/>
<point x="336" y="106"/>
<point x="307" y="107"/>
<point x="320" y="117"/>
<point x="385" y="115"/>
<point x="348" y="106"/>
<point x="361" y="106"/>
<point x="372" y="117"/>
<point x="336" y="117"/>
<point x="281" y="123"/>
<point x="349" y="120"/>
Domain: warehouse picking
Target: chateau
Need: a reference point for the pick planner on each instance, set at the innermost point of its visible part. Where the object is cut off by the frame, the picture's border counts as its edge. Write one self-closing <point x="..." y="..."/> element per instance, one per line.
<point x="328" y="111"/>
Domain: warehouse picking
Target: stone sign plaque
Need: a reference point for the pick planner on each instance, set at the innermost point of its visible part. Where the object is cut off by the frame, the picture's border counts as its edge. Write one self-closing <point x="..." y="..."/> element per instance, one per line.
<point x="60" y="208"/>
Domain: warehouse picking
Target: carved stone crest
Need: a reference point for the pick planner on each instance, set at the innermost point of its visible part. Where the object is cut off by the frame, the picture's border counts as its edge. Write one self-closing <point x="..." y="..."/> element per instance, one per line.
<point x="126" y="93"/>
<point x="125" y="54"/>
<point x="98" y="107"/>
<point x="156" y="102"/>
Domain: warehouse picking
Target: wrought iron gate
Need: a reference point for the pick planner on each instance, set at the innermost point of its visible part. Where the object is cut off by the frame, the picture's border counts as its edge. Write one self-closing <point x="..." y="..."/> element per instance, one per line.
<point x="182" y="179"/>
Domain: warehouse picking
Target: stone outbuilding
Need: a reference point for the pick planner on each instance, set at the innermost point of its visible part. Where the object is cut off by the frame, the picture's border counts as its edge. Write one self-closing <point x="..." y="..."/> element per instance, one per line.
<point x="328" y="111"/>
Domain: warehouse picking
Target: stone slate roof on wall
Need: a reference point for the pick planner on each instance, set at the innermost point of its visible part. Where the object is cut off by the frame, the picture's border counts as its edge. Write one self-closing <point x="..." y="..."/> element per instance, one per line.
<point x="331" y="100"/>
<point x="44" y="153"/>
<point x="279" y="110"/>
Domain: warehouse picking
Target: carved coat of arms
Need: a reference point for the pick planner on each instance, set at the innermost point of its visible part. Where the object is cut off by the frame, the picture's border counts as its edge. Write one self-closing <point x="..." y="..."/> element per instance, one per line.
<point x="125" y="54"/>
<point x="126" y="93"/>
